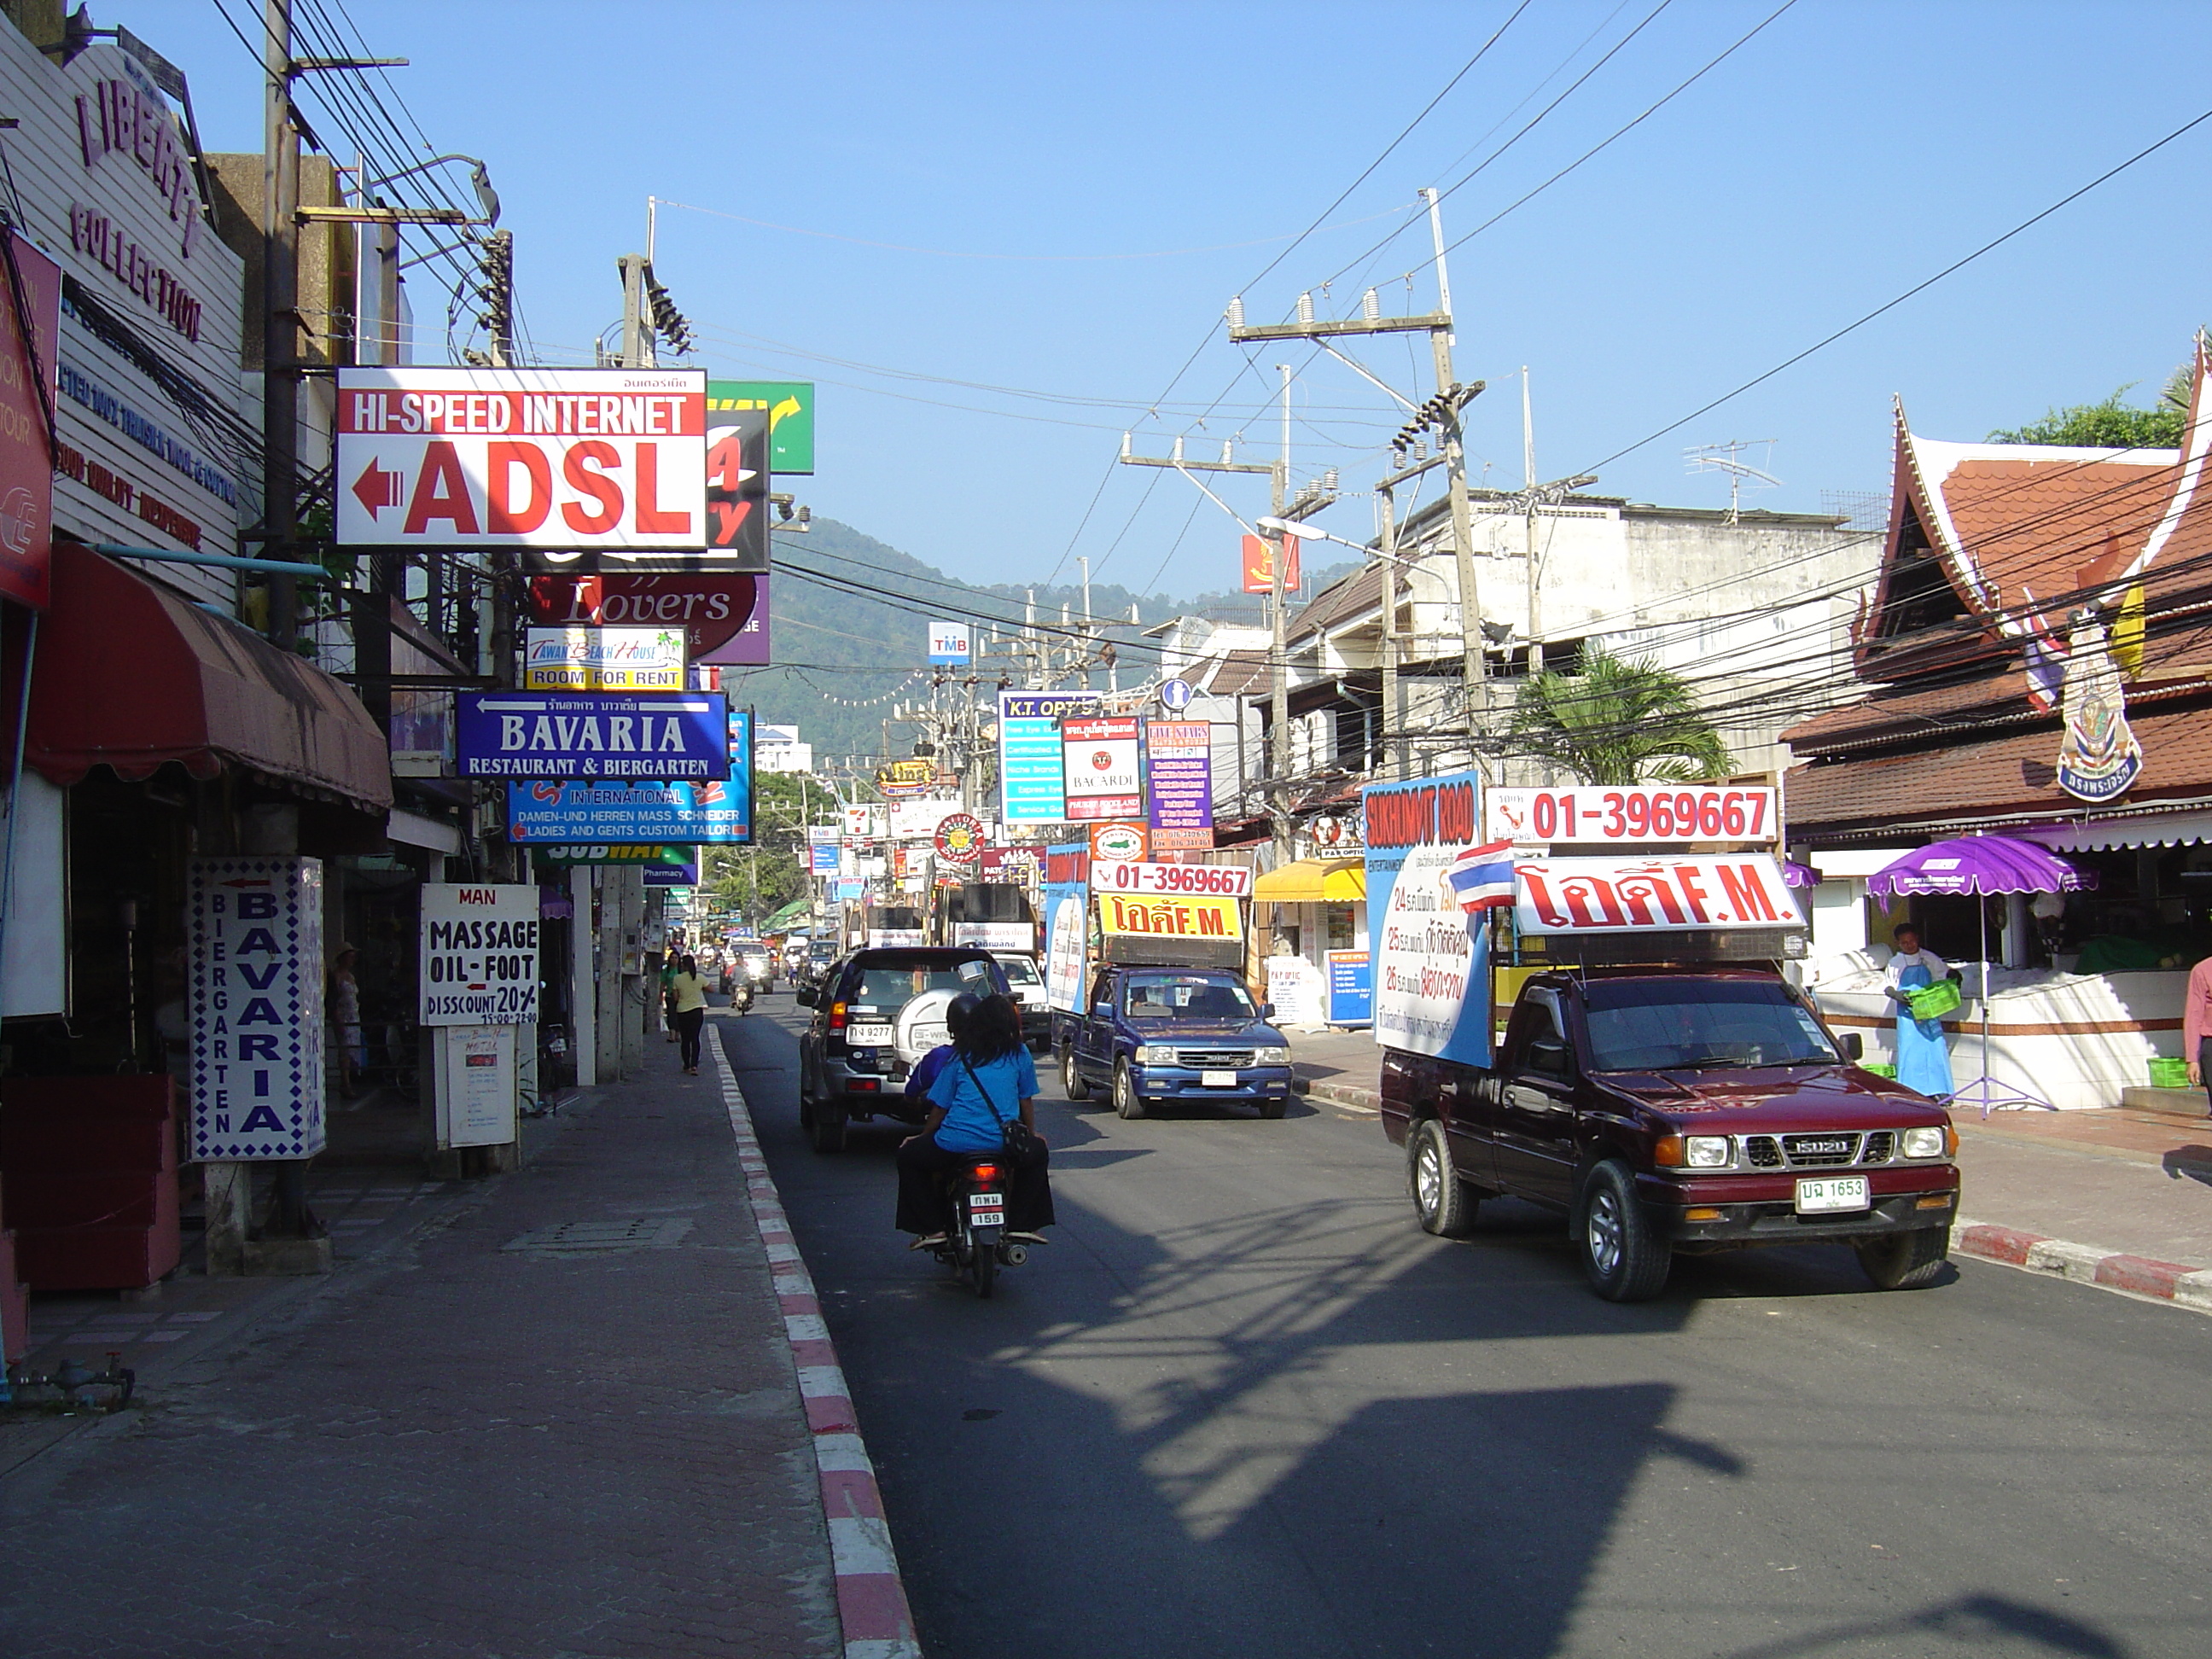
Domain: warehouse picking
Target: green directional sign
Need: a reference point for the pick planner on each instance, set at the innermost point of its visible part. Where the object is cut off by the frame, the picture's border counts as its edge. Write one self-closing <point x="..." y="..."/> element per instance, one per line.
<point x="560" y="858"/>
<point x="790" y="406"/>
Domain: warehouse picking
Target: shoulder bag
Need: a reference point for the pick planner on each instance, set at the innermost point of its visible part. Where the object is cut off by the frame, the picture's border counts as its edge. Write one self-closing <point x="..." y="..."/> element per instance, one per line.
<point x="1020" y="1139"/>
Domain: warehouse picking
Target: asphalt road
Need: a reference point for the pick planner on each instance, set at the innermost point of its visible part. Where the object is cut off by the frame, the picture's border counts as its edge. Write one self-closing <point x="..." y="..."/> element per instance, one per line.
<point x="1243" y="1405"/>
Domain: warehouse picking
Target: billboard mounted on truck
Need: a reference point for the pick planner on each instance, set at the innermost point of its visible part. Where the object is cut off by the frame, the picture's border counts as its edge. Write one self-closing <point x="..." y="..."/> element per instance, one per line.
<point x="1432" y="965"/>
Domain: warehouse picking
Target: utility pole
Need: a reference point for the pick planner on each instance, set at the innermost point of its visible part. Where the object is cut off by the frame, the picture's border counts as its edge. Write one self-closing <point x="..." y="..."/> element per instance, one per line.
<point x="637" y="338"/>
<point x="280" y="331"/>
<point x="1279" y="756"/>
<point x="1440" y="412"/>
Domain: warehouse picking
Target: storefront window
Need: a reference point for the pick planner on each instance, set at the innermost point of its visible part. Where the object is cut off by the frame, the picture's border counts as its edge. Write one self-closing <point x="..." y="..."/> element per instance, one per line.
<point x="1341" y="933"/>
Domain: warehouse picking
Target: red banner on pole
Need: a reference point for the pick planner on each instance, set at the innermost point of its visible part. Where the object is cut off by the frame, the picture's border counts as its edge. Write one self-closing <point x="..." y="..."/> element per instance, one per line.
<point x="28" y="352"/>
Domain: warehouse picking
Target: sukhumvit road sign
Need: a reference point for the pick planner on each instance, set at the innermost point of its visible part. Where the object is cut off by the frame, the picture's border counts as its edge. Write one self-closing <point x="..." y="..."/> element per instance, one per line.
<point x="577" y="459"/>
<point x="552" y="734"/>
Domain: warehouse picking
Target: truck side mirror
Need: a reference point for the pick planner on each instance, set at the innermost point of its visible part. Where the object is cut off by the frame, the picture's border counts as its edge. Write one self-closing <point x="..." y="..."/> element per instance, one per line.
<point x="1854" y="1046"/>
<point x="1266" y="1010"/>
<point x="1549" y="1055"/>
<point x="806" y="996"/>
<point x="1102" y="1006"/>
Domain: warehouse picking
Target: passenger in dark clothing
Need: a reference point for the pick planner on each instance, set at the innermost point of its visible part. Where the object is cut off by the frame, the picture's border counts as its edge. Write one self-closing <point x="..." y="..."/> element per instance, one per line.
<point x="988" y="1078"/>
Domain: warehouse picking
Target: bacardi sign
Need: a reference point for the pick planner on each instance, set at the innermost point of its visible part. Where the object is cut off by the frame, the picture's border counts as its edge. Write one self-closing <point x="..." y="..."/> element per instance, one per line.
<point x="574" y="458"/>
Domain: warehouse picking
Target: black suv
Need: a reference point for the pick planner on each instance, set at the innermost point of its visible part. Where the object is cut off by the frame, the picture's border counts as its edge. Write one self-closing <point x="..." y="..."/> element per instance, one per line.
<point x="877" y="1013"/>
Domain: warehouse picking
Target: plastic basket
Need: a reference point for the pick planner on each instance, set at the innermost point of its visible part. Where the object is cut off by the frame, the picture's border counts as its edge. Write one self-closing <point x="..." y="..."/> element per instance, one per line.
<point x="1880" y="1068"/>
<point x="2168" y="1074"/>
<point x="1933" y="1001"/>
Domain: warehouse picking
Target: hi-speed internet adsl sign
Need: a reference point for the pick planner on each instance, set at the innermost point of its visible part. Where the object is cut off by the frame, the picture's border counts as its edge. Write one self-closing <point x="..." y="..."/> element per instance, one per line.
<point x="556" y="457"/>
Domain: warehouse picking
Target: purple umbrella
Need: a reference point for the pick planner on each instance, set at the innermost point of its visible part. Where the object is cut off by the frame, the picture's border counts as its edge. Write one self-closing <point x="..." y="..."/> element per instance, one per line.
<point x="1794" y="874"/>
<point x="1978" y="866"/>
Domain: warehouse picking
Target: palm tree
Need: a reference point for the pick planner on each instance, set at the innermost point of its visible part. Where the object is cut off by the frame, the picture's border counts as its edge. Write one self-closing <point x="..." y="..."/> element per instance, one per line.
<point x="1618" y="722"/>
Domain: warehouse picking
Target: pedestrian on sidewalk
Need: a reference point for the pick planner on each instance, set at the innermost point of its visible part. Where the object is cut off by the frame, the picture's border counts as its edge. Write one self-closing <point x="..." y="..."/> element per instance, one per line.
<point x="687" y="996"/>
<point x="2197" y="1024"/>
<point x="1924" y="1057"/>
<point x="669" y="968"/>
<point x="989" y="1079"/>
<point x="345" y="1006"/>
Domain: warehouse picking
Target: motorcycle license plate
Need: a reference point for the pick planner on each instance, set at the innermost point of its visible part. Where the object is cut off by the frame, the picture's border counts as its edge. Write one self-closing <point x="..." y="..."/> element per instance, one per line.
<point x="1217" y="1079"/>
<point x="868" y="1037"/>
<point x="1832" y="1193"/>
<point x="987" y="1209"/>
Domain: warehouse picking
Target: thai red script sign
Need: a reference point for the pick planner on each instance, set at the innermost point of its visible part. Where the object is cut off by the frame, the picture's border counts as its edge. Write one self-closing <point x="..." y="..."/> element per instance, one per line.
<point x="1641" y="814"/>
<point x="724" y="617"/>
<point x="572" y="458"/>
<point x="1259" y="565"/>
<point x="1100" y="767"/>
<point x="27" y="356"/>
<point x="1652" y="896"/>
<point x="1180" y="917"/>
<point x="1228" y="880"/>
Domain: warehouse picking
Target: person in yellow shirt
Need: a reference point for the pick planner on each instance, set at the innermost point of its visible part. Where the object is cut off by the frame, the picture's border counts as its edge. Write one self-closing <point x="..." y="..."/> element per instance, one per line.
<point x="688" y="992"/>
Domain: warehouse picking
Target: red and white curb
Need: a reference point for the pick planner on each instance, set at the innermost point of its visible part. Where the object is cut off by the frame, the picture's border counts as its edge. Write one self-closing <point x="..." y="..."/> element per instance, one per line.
<point x="2176" y="1282"/>
<point x="870" y="1597"/>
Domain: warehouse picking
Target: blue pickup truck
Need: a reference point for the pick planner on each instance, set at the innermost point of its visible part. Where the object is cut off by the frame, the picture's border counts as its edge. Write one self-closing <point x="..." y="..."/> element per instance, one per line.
<point x="1150" y="1035"/>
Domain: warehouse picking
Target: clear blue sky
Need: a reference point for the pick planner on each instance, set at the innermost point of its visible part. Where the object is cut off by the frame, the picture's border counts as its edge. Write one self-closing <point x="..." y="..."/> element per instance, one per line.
<point x="1847" y="152"/>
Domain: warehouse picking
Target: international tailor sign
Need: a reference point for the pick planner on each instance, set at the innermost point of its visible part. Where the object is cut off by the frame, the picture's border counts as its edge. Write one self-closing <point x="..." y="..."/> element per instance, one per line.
<point x="547" y="734"/>
<point x="632" y="814"/>
<point x="254" y="932"/>
<point x="604" y="659"/>
<point x="569" y="457"/>
<point x="478" y="955"/>
<point x="1099" y="757"/>
<point x="1431" y="973"/>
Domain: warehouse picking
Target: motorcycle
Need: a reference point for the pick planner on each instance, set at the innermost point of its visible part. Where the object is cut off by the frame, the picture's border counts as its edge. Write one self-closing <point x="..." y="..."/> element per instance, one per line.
<point x="977" y="1243"/>
<point x="742" y="998"/>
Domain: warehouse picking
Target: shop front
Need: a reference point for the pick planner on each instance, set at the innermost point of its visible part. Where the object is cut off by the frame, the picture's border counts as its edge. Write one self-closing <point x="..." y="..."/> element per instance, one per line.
<point x="1312" y="923"/>
<point x="2035" y="663"/>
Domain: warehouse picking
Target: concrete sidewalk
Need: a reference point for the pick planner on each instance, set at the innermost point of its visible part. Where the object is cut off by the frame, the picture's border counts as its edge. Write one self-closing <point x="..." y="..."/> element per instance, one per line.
<point x="558" y="1416"/>
<point x="2128" y="1185"/>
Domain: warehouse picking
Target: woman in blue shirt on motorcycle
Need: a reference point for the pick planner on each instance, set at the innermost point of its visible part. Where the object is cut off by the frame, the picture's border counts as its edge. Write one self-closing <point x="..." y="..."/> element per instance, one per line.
<point x="986" y="1080"/>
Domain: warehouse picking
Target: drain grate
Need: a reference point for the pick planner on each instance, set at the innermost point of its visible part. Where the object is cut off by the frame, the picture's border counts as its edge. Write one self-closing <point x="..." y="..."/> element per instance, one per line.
<point x="603" y="1237"/>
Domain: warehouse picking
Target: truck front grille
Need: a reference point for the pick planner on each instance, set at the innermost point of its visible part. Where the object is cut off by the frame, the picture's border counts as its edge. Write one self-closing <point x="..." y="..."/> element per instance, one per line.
<point x="1837" y="1149"/>
<point x="1820" y="1151"/>
<point x="1214" y="1060"/>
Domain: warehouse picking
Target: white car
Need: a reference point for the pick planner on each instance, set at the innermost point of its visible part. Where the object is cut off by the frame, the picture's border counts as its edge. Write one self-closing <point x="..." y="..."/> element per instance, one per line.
<point x="1026" y="986"/>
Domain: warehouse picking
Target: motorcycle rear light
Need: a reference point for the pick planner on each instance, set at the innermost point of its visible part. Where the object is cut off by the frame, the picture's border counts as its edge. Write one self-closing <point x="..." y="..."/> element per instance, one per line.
<point x="986" y="1172"/>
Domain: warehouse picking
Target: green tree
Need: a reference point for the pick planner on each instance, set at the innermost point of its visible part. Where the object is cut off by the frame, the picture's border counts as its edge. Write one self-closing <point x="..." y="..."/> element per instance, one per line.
<point x="1618" y="722"/>
<point x="2114" y="424"/>
<point x="758" y="880"/>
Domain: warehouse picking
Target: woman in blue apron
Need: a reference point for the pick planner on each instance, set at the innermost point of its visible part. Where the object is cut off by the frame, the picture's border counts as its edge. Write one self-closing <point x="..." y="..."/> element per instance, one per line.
<point x="1924" y="1058"/>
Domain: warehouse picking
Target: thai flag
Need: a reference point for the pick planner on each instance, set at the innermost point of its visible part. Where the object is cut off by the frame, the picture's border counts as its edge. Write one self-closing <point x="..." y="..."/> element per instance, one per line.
<point x="1481" y="877"/>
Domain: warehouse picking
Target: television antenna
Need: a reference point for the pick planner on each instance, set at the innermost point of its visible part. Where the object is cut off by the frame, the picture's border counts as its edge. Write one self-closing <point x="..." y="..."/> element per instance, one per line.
<point x="1728" y="458"/>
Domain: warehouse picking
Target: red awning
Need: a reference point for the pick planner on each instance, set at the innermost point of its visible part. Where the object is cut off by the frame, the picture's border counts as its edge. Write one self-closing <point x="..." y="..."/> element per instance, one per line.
<point x="132" y="677"/>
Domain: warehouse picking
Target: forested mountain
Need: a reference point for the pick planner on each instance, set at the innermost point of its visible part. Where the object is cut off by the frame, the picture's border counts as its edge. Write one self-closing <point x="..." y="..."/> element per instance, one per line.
<point x="848" y="626"/>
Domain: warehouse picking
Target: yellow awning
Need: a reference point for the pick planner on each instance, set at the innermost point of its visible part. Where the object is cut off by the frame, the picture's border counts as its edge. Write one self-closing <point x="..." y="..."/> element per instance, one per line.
<point x="1314" y="881"/>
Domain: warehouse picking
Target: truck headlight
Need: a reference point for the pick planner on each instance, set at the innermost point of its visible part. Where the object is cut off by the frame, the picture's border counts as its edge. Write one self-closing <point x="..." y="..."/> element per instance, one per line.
<point x="1923" y="1143"/>
<point x="1271" y="1056"/>
<point x="1153" y="1053"/>
<point x="1705" y="1151"/>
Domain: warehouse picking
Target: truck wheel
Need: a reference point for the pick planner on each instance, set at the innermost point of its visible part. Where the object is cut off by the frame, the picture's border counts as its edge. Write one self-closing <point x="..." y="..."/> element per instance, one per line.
<point x="1625" y="1262"/>
<point x="1127" y="1101"/>
<point x="1071" y="1080"/>
<point x="1905" y="1262"/>
<point x="1442" y="1201"/>
<point x="828" y="1128"/>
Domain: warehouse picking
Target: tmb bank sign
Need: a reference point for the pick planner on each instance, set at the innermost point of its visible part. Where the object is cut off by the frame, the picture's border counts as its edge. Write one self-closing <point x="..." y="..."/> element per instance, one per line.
<point x="255" y="946"/>
<point x="550" y="735"/>
<point x="572" y="457"/>
<point x="479" y="955"/>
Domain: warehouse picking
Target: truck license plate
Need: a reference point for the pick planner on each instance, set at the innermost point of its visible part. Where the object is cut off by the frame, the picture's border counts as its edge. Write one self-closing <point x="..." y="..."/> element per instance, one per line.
<point x="1832" y="1193"/>
<point x="1217" y="1079"/>
<point x="868" y="1037"/>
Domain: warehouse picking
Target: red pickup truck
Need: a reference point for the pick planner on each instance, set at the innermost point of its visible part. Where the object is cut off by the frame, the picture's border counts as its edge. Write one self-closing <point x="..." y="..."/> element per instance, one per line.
<point x="1671" y="1109"/>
